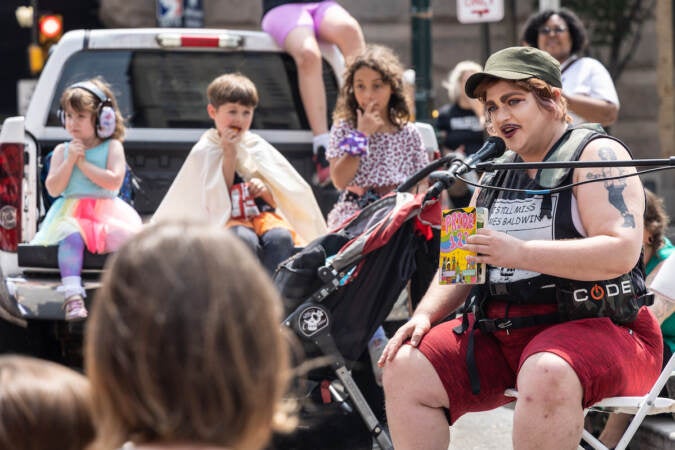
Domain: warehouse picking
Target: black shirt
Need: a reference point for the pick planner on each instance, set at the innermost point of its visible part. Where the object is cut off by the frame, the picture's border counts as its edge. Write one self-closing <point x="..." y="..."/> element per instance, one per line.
<point x="461" y="127"/>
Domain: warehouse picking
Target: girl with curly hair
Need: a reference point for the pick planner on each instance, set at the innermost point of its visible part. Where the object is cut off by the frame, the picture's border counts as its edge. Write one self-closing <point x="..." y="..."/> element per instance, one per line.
<point x="374" y="146"/>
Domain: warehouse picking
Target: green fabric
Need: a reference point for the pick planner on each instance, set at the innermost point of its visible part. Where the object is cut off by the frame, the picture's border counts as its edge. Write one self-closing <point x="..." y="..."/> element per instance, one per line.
<point x="668" y="330"/>
<point x="567" y="149"/>
<point x="668" y="325"/>
<point x="517" y="63"/>
<point x="660" y="255"/>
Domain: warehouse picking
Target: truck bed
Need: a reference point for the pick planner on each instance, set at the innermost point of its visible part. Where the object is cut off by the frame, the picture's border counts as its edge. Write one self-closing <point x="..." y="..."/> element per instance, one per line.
<point x="45" y="257"/>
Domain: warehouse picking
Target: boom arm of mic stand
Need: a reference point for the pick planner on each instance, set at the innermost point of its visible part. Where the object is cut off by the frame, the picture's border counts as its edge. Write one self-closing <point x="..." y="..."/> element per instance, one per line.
<point x="489" y="166"/>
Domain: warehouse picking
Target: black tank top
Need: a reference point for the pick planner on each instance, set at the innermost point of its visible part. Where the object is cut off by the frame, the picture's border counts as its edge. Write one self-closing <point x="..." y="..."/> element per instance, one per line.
<point x="530" y="216"/>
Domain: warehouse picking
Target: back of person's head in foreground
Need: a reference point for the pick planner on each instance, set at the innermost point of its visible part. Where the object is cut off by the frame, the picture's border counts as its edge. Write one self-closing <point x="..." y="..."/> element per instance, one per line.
<point x="232" y="88"/>
<point x="185" y="343"/>
<point x="383" y="60"/>
<point x="43" y="406"/>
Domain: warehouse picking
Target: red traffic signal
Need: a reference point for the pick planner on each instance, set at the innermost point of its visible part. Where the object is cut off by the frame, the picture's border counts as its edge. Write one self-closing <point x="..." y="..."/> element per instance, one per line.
<point x="50" y="27"/>
<point x="50" y="30"/>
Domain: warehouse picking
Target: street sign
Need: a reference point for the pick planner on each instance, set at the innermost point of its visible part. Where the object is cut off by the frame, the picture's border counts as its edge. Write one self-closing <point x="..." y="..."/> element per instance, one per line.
<point x="180" y="13"/>
<point x="478" y="11"/>
<point x="193" y="14"/>
<point x="169" y="13"/>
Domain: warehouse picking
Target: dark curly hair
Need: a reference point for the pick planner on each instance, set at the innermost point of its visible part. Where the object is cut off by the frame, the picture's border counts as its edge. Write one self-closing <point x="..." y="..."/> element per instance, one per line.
<point x="530" y="31"/>
<point x="384" y="61"/>
<point x="656" y="219"/>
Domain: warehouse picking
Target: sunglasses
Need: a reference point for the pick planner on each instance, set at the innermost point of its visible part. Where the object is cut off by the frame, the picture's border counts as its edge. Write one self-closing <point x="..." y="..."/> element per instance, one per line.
<point x="554" y="30"/>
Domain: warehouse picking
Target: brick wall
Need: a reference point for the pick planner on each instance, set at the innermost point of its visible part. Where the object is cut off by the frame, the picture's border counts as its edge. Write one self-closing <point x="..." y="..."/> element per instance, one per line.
<point x="388" y="22"/>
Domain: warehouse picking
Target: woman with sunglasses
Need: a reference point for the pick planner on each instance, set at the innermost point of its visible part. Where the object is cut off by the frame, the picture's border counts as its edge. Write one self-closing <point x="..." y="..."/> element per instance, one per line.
<point x="587" y="86"/>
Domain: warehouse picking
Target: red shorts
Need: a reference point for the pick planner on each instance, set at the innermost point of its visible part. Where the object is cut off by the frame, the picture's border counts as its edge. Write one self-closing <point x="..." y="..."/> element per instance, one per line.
<point x="609" y="360"/>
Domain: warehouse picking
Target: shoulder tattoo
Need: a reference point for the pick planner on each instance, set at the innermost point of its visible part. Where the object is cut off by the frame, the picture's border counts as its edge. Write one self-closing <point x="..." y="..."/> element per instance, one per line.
<point x="614" y="187"/>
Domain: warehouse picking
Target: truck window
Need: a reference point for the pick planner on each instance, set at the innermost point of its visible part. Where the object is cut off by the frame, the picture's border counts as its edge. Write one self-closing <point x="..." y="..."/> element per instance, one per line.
<point x="160" y="89"/>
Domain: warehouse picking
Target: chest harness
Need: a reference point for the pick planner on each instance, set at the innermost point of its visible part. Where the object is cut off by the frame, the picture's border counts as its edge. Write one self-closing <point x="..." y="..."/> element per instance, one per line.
<point x="619" y="298"/>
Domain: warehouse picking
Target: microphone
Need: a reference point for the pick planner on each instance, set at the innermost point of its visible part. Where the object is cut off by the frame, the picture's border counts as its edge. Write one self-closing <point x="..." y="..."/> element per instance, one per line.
<point x="492" y="148"/>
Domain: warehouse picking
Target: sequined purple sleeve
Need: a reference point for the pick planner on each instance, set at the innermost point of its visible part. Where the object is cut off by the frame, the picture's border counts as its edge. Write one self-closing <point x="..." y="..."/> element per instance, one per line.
<point x="354" y="144"/>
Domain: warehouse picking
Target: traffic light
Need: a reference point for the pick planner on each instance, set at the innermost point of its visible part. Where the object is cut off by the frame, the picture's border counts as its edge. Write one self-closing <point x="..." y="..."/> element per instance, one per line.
<point x="36" y="58"/>
<point x="50" y="30"/>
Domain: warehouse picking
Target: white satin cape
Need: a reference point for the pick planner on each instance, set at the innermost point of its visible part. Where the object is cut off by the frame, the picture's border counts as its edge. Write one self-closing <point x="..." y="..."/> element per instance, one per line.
<point x="200" y="192"/>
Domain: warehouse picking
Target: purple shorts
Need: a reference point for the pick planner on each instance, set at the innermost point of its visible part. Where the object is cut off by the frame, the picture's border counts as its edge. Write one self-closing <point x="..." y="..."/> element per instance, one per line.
<point x="280" y="21"/>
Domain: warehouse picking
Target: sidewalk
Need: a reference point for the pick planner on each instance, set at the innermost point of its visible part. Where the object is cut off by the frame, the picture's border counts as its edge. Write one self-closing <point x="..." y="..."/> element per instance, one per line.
<point x="490" y="430"/>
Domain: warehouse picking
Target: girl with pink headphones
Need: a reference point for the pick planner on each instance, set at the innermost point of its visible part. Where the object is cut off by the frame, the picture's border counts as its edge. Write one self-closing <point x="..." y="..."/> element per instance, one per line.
<point x="86" y="174"/>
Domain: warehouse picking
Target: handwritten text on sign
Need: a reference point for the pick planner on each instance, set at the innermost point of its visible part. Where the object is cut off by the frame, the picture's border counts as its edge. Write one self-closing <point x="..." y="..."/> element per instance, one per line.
<point x="475" y="11"/>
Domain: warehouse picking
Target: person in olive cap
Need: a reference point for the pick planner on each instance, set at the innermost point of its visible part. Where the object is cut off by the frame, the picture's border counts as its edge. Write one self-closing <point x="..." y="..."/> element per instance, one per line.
<point x="562" y="315"/>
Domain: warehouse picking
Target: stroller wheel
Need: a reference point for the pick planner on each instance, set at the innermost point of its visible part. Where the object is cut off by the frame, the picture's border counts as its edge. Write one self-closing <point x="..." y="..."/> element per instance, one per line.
<point x="328" y="426"/>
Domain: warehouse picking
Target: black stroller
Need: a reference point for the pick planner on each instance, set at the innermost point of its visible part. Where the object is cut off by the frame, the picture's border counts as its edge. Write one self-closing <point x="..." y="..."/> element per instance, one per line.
<point x="342" y="286"/>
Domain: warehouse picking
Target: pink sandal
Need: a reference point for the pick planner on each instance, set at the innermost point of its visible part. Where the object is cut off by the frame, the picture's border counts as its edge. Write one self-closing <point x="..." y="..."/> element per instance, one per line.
<point x="75" y="309"/>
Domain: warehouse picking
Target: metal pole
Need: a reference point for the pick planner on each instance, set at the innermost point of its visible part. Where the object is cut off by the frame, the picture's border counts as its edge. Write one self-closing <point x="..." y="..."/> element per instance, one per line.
<point x="512" y="21"/>
<point x="549" y="4"/>
<point x="421" y="15"/>
<point x="34" y="28"/>
<point x="485" y="40"/>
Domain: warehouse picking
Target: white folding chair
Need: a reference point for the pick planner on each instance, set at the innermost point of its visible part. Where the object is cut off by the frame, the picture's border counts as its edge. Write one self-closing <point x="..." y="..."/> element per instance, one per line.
<point x="639" y="407"/>
<point x="429" y="140"/>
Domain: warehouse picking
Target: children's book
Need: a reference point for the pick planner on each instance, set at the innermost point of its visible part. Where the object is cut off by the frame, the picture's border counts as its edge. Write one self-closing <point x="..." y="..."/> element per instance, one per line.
<point x="456" y="226"/>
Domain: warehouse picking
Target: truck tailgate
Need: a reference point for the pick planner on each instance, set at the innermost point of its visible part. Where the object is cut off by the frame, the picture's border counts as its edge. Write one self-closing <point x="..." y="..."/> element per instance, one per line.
<point x="37" y="296"/>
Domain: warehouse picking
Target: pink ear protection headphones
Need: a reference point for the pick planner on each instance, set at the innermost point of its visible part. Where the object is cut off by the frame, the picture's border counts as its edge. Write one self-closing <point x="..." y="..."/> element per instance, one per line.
<point x="105" y="114"/>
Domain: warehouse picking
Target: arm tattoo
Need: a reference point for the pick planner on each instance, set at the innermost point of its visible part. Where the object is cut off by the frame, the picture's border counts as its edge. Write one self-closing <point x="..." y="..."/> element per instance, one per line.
<point x="614" y="187"/>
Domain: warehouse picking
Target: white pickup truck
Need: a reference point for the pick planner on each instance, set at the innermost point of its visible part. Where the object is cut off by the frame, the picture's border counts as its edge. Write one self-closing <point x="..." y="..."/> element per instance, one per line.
<point x="159" y="77"/>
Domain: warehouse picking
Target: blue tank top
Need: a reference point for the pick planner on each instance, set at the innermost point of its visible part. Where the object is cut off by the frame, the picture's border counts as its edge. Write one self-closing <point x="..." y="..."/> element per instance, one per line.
<point x="81" y="186"/>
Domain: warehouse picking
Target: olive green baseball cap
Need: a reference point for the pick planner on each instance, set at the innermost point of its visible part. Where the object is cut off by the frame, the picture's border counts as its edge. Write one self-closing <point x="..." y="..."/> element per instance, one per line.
<point x="517" y="63"/>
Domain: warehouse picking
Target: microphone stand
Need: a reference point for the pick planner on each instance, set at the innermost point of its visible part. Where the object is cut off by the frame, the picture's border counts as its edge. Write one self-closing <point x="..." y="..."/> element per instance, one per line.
<point x="443" y="181"/>
<point x="489" y="166"/>
<point x="446" y="178"/>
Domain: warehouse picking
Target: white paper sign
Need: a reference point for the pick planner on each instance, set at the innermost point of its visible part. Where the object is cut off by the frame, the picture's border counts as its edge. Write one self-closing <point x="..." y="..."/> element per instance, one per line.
<point x="24" y="92"/>
<point x="664" y="281"/>
<point x="476" y="11"/>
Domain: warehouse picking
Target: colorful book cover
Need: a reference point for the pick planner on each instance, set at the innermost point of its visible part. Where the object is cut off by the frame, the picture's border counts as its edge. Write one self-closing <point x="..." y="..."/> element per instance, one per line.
<point x="456" y="226"/>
